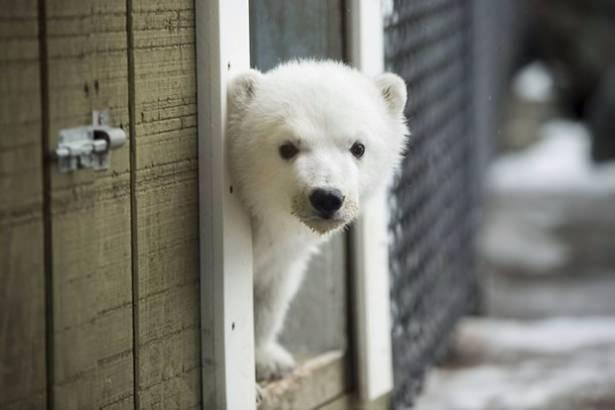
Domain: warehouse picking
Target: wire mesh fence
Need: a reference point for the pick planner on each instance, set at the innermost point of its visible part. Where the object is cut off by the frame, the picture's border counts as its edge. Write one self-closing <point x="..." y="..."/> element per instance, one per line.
<point x="438" y="48"/>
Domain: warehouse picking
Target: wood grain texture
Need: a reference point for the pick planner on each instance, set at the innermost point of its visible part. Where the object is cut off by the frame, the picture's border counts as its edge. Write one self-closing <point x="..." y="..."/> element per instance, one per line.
<point x="350" y="401"/>
<point x="317" y="381"/>
<point x="91" y="268"/>
<point x="169" y="372"/>
<point x="22" y="279"/>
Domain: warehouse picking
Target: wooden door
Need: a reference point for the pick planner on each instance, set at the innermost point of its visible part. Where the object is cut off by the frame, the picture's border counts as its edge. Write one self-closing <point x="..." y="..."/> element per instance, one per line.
<point x="85" y="69"/>
<point x="22" y="274"/>
<point x="99" y="304"/>
<point x="165" y="207"/>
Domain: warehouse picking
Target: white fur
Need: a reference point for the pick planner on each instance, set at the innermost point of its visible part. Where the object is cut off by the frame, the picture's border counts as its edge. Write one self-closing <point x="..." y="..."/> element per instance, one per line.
<point x="323" y="108"/>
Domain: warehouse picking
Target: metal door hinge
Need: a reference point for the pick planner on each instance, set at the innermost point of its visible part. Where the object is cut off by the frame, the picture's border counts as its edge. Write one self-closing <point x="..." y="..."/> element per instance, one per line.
<point x="88" y="146"/>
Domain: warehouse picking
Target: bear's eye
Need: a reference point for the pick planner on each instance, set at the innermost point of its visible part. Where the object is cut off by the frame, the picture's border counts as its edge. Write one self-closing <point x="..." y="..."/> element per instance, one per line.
<point x="288" y="150"/>
<point x="357" y="149"/>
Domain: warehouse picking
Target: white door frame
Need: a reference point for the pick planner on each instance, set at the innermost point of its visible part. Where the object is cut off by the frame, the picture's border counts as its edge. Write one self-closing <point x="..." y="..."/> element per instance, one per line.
<point x="227" y="337"/>
<point x="223" y="48"/>
<point x="370" y="239"/>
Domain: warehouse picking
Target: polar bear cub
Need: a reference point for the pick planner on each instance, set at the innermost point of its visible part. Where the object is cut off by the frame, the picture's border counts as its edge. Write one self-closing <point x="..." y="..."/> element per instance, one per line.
<point x="309" y="142"/>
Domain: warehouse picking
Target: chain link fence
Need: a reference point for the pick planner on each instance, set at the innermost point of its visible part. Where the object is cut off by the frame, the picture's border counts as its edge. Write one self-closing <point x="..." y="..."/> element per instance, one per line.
<point x="446" y="52"/>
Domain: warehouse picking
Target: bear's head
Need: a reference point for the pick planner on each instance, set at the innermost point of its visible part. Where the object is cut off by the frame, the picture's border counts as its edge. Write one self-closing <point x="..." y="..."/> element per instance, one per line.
<point x="313" y="140"/>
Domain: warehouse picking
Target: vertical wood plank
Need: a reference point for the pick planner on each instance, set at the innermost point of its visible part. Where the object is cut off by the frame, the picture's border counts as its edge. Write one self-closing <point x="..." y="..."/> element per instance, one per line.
<point x="90" y="211"/>
<point x="22" y="297"/>
<point x="168" y="338"/>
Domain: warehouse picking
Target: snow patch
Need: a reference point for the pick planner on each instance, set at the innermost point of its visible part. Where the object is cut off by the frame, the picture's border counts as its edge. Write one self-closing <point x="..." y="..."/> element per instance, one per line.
<point x="387" y="7"/>
<point x="550" y="336"/>
<point x="583" y="374"/>
<point x="523" y="246"/>
<point x="559" y="163"/>
<point x="528" y="386"/>
<point x="534" y="82"/>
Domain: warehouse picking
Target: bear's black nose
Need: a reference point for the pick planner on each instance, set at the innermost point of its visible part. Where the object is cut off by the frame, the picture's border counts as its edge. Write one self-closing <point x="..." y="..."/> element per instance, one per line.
<point x="326" y="201"/>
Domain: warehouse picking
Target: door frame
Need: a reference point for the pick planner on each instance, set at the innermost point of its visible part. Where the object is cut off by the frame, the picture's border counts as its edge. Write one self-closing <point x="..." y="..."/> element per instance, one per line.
<point x="369" y="235"/>
<point x="227" y="330"/>
<point x="227" y="339"/>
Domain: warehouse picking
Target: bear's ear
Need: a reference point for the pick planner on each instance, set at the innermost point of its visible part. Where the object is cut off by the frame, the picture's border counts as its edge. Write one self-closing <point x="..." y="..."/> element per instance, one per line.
<point x="242" y="88"/>
<point x="393" y="90"/>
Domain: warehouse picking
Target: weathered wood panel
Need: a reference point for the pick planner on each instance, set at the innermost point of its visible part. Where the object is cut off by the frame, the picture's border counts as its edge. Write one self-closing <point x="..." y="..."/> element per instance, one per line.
<point x="91" y="254"/>
<point x="166" y="205"/>
<point x="319" y="380"/>
<point x="22" y="298"/>
<point x="350" y="401"/>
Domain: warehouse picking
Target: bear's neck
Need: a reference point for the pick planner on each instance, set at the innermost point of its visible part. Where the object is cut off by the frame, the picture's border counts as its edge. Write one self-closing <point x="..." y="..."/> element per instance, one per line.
<point x="281" y="230"/>
<point x="285" y="236"/>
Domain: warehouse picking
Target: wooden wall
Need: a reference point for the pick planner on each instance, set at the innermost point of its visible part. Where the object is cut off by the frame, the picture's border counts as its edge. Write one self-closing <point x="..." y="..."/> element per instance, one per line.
<point x="99" y="300"/>
<point x="99" y="279"/>
<point x="22" y="272"/>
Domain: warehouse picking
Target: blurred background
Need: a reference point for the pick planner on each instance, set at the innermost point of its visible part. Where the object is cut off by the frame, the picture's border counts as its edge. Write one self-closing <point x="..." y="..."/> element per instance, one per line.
<point x="543" y="336"/>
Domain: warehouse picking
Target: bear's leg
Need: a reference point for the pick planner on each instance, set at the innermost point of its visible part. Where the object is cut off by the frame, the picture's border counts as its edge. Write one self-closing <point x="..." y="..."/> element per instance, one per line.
<point x="271" y="301"/>
<point x="273" y="361"/>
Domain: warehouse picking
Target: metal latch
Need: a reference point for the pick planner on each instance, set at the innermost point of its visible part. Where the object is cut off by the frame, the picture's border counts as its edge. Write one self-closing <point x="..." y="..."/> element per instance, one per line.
<point x="88" y="146"/>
